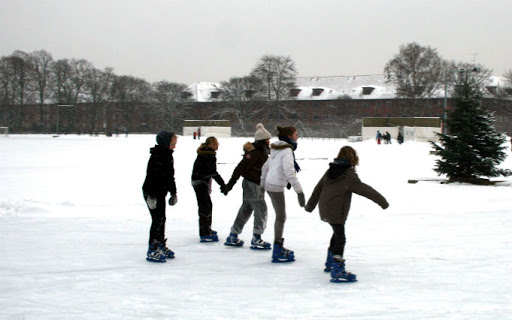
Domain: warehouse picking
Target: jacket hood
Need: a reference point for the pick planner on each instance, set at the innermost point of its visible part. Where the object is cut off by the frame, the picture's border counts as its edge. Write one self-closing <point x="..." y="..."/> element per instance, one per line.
<point x="203" y="150"/>
<point x="337" y="167"/>
<point x="158" y="150"/>
<point x="279" y="145"/>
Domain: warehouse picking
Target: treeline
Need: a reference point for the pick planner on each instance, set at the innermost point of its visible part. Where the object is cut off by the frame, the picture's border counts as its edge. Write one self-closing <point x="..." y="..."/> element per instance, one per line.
<point x="28" y="79"/>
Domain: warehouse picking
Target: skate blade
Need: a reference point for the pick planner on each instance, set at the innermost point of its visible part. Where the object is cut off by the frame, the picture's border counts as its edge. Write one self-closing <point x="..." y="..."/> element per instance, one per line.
<point x="229" y="244"/>
<point x="274" y="260"/>
<point x="154" y="260"/>
<point x="341" y="280"/>
<point x="209" y="240"/>
<point x="253" y="247"/>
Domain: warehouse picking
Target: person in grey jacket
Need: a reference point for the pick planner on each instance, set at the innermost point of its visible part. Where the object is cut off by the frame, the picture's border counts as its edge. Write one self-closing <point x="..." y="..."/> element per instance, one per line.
<point x="333" y="194"/>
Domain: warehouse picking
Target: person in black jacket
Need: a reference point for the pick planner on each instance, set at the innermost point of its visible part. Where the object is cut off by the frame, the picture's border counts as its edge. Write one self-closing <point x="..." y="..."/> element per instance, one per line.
<point x="256" y="154"/>
<point x="159" y="181"/>
<point x="205" y="169"/>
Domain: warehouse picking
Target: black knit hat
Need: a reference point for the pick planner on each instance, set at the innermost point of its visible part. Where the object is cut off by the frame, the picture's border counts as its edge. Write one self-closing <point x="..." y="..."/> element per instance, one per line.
<point x="163" y="138"/>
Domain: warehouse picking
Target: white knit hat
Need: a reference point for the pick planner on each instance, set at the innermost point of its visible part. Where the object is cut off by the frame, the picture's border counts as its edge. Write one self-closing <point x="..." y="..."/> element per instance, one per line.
<point x="261" y="133"/>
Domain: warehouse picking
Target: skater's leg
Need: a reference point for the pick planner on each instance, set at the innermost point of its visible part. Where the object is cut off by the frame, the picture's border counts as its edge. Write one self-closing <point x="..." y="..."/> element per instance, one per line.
<point x="279" y="207"/>
<point x="338" y="239"/>
<point x="205" y="207"/>
<point x="244" y="213"/>
<point x="157" y="229"/>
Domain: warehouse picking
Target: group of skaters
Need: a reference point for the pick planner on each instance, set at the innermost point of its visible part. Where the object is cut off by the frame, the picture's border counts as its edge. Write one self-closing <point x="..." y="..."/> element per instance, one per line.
<point x="386" y="137"/>
<point x="266" y="169"/>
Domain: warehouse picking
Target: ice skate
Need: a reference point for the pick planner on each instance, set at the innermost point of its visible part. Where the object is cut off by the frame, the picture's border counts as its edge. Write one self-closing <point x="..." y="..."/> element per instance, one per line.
<point x="212" y="237"/>
<point x="233" y="241"/>
<point x="154" y="254"/>
<point x="281" y="254"/>
<point x="258" y="244"/>
<point x="329" y="261"/>
<point x="338" y="273"/>
<point x="168" y="253"/>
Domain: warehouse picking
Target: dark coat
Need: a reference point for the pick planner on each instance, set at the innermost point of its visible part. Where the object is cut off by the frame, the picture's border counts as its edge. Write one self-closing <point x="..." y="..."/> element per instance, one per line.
<point x="205" y="166"/>
<point x="256" y="154"/>
<point x="160" y="173"/>
<point x="333" y="193"/>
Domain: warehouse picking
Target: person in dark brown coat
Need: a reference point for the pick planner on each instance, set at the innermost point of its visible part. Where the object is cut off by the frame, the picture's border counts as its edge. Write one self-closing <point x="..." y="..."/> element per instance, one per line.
<point x="333" y="194"/>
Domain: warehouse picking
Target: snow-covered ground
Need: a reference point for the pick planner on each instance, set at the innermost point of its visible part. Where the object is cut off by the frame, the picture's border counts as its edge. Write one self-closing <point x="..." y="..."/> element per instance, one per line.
<point x="74" y="228"/>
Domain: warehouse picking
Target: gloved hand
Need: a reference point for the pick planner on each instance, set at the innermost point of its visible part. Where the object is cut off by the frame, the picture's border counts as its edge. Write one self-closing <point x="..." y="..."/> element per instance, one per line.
<point x="151" y="201"/>
<point x="224" y="189"/>
<point x="173" y="200"/>
<point x="230" y="185"/>
<point x="289" y="186"/>
<point x="309" y="208"/>
<point x="302" y="199"/>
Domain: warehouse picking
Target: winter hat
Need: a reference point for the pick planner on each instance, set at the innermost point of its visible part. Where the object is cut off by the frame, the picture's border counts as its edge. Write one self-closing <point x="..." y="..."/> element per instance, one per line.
<point x="261" y="133"/>
<point x="163" y="138"/>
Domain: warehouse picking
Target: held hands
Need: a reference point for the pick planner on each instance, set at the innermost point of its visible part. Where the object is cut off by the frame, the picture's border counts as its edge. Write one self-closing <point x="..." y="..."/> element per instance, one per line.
<point x="173" y="200"/>
<point x="224" y="189"/>
<point x="302" y="199"/>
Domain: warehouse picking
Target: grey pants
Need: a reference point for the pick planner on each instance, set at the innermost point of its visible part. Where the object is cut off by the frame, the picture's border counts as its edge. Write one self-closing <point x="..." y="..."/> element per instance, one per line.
<point x="253" y="200"/>
<point x="280" y="209"/>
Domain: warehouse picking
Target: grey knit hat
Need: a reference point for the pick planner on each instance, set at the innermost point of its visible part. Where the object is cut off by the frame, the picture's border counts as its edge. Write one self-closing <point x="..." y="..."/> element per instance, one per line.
<point x="261" y="133"/>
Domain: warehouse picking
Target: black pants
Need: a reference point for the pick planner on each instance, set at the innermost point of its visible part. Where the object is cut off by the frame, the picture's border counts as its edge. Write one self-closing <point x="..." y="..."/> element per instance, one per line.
<point x="338" y="239"/>
<point x="205" y="208"/>
<point x="157" y="230"/>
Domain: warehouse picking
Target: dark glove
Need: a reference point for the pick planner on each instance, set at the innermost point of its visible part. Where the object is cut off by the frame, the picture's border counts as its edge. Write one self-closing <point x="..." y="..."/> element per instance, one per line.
<point x="230" y="185"/>
<point x="302" y="199"/>
<point x="173" y="200"/>
<point x="385" y="206"/>
<point x="288" y="186"/>
<point x="309" y="208"/>
<point x="224" y="190"/>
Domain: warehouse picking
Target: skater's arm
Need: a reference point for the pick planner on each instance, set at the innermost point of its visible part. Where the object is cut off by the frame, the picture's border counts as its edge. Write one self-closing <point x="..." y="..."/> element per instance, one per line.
<point x="366" y="191"/>
<point x="315" y="196"/>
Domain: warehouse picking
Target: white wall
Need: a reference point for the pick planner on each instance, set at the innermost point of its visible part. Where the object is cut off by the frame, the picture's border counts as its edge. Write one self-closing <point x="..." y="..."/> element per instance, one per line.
<point x="422" y="134"/>
<point x="219" y="132"/>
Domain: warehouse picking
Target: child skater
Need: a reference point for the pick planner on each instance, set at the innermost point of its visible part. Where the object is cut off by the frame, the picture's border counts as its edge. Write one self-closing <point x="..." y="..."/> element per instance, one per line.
<point x="278" y="172"/>
<point x="160" y="180"/>
<point x="256" y="154"/>
<point x="205" y="168"/>
<point x="333" y="194"/>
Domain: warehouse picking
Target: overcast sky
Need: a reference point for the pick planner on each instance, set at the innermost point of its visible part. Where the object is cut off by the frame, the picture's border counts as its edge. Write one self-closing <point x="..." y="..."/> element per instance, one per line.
<point x="213" y="40"/>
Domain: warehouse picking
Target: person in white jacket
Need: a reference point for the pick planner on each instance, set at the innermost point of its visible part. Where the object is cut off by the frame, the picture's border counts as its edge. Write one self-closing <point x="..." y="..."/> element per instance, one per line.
<point x="278" y="172"/>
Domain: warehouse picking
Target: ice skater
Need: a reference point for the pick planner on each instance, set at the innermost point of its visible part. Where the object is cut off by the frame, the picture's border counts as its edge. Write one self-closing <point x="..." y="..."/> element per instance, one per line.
<point x="279" y="171"/>
<point x="255" y="155"/>
<point x="333" y="194"/>
<point x="205" y="169"/>
<point x="160" y="181"/>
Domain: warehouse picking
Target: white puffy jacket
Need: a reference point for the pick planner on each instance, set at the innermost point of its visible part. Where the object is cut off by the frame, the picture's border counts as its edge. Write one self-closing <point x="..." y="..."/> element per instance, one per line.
<point x="279" y="169"/>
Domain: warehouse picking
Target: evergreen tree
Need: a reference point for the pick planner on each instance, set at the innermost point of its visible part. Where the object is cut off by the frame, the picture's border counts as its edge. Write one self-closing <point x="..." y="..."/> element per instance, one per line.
<point x="473" y="148"/>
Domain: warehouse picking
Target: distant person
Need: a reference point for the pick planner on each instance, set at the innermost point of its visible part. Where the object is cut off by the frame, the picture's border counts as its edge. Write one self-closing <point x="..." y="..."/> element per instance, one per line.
<point x="255" y="155"/>
<point x="333" y="194"/>
<point x="378" y="137"/>
<point x="205" y="169"/>
<point x="199" y="133"/>
<point x="387" y="137"/>
<point x="400" y="138"/>
<point x="160" y="181"/>
<point x="195" y="135"/>
<point x="278" y="172"/>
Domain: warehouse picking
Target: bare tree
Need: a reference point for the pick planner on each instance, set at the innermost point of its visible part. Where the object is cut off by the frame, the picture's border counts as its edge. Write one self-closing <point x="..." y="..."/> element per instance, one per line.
<point x="129" y="94"/>
<point x="69" y="77"/>
<point x="237" y="97"/>
<point x="416" y="70"/>
<point x="278" y="75"/>
<point x="167" y="97"/>
<point x="97" y="88"/>
<point x="508" y="76"/>
<point x="42" y="62"/>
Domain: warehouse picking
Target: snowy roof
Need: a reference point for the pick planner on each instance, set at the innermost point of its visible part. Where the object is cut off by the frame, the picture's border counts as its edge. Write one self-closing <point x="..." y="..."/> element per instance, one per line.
<point x="373" y="86"/>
